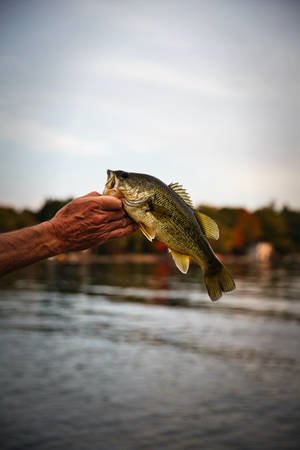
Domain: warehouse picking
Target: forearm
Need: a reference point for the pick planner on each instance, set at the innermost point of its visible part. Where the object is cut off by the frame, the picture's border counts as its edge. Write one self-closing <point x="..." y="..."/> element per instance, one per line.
<point x="26" y="246"/>
<point x="83" y="223"/>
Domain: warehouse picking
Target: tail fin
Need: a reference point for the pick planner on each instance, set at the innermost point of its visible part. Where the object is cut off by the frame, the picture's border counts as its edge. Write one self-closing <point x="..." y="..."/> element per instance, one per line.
<point x="218" y="282"/>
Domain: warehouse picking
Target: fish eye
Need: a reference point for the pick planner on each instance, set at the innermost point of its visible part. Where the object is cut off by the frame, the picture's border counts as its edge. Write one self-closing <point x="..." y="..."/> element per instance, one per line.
<point x="124" y="175"/>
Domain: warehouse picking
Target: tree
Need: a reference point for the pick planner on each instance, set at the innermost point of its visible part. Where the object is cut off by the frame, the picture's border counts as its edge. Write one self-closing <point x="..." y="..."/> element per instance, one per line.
<point x="50" y="208"/>
<point x="10" y="219"/>
<point x="274" y="229"/>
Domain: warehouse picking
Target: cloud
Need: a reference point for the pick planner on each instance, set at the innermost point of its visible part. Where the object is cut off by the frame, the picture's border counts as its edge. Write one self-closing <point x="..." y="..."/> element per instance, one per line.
<point x="196" y="92"/>
<point x="156" y="73"/>
<point x="34" y="135"/>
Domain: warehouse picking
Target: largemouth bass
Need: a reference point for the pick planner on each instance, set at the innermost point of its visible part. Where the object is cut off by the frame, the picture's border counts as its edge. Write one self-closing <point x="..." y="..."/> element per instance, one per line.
<point x="166" y="212"/>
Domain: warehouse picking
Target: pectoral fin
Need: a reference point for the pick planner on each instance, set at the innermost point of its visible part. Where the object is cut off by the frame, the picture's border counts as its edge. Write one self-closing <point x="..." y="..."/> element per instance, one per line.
<point x="208" y="225"/>
<point x="181" y="261"/>
<point x="148" y="232"/>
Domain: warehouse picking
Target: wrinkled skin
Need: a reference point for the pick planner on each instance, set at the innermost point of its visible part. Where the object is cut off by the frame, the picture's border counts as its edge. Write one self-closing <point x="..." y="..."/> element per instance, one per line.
<point x="91" y="220"/>
<point x="84" y="222"/>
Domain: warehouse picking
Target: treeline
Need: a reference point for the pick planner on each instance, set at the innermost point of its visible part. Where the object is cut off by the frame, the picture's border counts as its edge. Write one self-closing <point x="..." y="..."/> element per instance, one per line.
<point x="239" y="229"/>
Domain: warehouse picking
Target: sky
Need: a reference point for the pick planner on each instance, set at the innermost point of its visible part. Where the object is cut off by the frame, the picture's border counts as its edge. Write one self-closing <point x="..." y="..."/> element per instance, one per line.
<point x="204" y="93"/>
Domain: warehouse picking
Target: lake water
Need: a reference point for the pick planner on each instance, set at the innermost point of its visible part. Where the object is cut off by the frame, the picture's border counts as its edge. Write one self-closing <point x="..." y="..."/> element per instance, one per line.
<point x="135" y="356"/>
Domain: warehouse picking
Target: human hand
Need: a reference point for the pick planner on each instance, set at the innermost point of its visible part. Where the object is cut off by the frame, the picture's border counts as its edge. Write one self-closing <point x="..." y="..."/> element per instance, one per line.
<point x="90" y="220"/>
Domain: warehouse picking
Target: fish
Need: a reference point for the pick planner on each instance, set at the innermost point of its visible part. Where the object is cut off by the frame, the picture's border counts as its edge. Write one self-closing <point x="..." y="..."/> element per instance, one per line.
<point x="166" y="212"/>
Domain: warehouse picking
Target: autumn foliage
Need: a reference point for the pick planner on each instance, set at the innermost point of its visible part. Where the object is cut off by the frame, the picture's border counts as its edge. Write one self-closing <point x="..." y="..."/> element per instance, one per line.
<point x="239" y="228"/>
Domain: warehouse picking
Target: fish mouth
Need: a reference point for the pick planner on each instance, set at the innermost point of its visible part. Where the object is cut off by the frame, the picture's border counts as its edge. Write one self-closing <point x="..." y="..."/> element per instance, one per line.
<point x="112" y="185"/>
<point x="111" y="179"/>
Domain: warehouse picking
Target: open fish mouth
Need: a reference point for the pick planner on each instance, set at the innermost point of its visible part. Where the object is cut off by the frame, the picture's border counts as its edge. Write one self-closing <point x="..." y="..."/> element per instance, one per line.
<point x="111" y="179"/>
<point x="111" y="186"/>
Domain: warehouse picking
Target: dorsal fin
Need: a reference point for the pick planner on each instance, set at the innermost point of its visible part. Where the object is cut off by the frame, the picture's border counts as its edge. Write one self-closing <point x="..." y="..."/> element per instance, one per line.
<point x="208" y="225"/>
<point x="182" y="193"/>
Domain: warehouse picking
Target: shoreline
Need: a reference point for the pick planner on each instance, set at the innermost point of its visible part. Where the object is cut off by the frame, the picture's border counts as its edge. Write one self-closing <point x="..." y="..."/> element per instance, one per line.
<point x="86" y="257"/>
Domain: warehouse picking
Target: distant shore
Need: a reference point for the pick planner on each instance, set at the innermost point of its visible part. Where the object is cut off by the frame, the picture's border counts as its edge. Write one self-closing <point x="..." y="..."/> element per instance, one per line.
<point x="87" y="257"/>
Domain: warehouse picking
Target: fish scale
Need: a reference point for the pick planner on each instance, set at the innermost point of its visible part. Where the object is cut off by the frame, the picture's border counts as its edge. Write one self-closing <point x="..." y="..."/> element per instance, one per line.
<point x="166" y="212"/>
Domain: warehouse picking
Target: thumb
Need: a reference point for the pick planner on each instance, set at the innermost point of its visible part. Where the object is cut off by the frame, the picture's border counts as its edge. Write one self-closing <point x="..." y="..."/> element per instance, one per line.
<point x="91" y="194"/>
<point x="109" y="203"/>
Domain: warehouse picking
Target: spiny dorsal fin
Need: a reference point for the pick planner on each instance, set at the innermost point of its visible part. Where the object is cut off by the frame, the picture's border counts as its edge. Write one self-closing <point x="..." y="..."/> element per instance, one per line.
<point x="181" y="261"/>
<point x="208" y="225"/>
<point x="150" y="234"/>
<point x="182" y="193"/>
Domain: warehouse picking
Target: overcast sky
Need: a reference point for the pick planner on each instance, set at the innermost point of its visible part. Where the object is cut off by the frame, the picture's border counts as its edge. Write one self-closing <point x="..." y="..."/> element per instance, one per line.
<point x="206" y="93"/>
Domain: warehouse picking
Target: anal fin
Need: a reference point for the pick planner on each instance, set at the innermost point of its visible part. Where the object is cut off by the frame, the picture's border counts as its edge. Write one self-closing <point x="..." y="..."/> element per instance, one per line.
<point x="181" y="261"/>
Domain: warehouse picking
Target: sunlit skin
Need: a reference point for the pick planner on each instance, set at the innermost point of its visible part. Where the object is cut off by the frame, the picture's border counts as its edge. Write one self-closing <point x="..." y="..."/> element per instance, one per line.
<point x="83" y="223"/>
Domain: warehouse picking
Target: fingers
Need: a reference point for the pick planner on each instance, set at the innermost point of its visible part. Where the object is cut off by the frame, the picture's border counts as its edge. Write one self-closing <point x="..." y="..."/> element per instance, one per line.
<point x="121" y="223"/>
<point x="105" y="217"/>
<point x="120" y="232"/>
